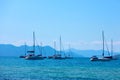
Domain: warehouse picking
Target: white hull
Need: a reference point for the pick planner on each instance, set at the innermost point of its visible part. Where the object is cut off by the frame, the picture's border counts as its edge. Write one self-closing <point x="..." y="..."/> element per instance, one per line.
<point x="34" y="57"/>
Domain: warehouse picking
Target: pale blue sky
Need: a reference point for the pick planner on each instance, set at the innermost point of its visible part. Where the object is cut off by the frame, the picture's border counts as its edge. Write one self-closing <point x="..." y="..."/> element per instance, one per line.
<point x="79" y="22"/>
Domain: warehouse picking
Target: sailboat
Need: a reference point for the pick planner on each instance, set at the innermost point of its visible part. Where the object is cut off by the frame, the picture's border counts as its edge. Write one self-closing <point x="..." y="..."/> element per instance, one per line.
<point x="104" y="58"/>
<point x="31" y="55"/>
<point x="69" y="56"/>
<point x="51" y="57"/>
<point x="58" y="55"/>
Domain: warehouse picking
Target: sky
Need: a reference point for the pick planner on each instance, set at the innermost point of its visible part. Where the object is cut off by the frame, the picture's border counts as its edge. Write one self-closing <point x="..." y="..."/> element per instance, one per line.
<point x="79" y="22"/>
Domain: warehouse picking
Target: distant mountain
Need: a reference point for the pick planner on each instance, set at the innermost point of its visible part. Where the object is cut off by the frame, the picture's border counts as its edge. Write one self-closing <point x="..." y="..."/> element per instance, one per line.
<point x="11" y="50"/>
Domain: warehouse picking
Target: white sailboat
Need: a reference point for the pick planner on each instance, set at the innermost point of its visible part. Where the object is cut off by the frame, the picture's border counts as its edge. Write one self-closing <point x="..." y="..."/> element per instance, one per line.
<point x="104" y="58"/>
<point x="32" y="55"/>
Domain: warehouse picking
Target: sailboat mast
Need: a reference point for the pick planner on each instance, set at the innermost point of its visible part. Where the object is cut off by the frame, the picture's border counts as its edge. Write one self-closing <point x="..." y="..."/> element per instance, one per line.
<point x="69" y="51"/>
<point x="34" y="42"/>
<point x="111" y="47"/>
<point x="103" y="42"/>
<point x="55" y="47"/>
<point x="60" y="44"/>
<point x="25" y="49"/>
<point x="41" y="48"/>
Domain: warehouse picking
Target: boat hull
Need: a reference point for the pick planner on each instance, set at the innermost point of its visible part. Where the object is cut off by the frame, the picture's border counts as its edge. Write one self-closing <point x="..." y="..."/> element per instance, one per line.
<point x="34" y="58"/>
<point x="101" y="59"/>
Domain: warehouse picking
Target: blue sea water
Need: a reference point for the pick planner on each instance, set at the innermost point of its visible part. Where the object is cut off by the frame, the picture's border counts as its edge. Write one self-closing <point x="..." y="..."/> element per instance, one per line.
<point x="14" y="68"/>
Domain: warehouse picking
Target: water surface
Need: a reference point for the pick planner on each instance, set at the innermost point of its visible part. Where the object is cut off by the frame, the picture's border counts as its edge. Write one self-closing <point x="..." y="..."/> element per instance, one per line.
<point x="14" y="68"/>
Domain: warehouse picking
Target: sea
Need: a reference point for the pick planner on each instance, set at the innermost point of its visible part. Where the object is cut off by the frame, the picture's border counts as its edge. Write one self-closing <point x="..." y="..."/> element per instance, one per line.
<point x="15" y="68"/>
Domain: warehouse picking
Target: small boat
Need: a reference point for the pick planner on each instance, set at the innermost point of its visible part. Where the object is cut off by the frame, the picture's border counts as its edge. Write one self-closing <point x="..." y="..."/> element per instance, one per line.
<point x="53" y="56"/>
<point x="69" y="56"/>
<point x="94" y="58"/>
<point x="31" y="55"/>
<point x="58" y="55"/>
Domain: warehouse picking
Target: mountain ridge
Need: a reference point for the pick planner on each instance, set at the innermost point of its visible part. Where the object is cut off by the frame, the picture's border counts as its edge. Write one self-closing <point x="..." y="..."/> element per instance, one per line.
<point x="11" y="50"/>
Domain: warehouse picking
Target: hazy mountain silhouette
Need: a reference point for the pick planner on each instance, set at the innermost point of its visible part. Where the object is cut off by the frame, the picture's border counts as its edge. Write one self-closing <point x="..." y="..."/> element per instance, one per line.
<point x="11" y="50"/>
